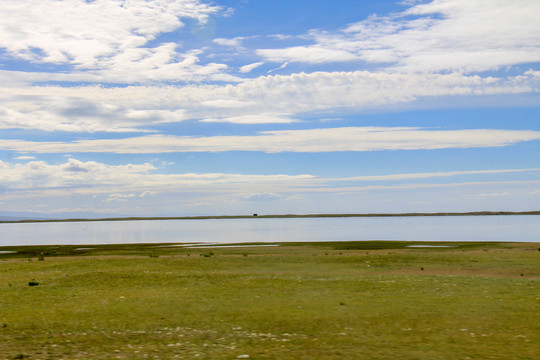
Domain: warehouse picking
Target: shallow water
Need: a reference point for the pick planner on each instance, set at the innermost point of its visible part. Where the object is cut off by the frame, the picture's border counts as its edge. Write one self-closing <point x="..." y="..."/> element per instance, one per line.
<point x="521" y="228"/>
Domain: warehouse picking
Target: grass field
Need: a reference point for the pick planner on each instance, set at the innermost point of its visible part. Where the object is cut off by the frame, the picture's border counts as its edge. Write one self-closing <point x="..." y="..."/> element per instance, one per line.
<point x="353" y="300"/>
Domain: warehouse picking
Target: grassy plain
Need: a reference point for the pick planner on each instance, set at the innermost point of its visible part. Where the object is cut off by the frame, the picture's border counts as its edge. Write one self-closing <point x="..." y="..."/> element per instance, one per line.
<point x="351" y="300"/>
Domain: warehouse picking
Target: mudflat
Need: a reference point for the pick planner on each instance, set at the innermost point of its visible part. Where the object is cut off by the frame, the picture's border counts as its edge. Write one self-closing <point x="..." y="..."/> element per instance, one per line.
<point x="332" y="300"/>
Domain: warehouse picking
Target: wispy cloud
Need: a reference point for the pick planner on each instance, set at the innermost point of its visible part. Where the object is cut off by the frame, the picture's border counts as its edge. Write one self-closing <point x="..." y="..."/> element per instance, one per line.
<point x="460" y="35"/>
<point x="255" y="119"/>
<point x="313" y="140"/>
<point x="413" y="176"/>
<point x="490" y="195"/>
<point x="248" y="68"/>
<point x="25" y="158"/>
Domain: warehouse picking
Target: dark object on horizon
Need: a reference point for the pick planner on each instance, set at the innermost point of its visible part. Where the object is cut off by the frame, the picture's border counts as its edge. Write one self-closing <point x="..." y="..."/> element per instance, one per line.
<point x="255" y="214"/>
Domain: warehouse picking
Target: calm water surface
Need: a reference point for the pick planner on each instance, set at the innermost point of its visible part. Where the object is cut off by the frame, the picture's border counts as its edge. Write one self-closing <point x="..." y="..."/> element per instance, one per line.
<point x="447" y="228"/>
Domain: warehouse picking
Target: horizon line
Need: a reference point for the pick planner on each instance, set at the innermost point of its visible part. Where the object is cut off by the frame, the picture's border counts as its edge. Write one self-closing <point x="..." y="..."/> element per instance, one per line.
<point x="271" y="216"/>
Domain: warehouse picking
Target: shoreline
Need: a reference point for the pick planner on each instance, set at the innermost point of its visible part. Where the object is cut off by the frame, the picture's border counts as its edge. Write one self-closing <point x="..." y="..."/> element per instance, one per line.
<point x="284" y="216"/>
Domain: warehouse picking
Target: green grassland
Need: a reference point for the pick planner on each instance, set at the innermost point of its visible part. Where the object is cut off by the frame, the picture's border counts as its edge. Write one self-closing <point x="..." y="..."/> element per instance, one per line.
<point x="350" y="300"/>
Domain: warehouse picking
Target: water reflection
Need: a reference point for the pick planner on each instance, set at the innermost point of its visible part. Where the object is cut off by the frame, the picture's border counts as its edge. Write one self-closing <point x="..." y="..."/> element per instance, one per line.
<point x="451" y="228"/>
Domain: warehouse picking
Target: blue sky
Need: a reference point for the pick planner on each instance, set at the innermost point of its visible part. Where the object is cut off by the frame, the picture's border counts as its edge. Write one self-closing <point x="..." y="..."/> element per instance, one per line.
<point x="192" y="107"/>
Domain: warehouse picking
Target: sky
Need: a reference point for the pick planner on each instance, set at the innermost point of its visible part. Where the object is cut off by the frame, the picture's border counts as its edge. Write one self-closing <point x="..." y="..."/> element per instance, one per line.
<point x="195" y="107"/>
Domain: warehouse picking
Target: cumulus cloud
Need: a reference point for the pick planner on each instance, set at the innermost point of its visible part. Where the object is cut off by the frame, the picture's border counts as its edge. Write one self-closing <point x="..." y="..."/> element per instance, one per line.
<point x="137" y="108"/>
<point x="39" y="174"/>
<point x="49" y="112"/>
<point x="132" y="182"/>
<point x="104" y="40"/>
<point x="312" y="140"/>
<point x="123" y="182"/>
<point x="82" y="32"/>
<point x="461" y="35"/>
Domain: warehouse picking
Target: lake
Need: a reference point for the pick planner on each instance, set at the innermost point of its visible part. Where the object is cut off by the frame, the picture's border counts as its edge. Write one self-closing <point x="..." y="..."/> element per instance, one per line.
<point x="520" y="228"/>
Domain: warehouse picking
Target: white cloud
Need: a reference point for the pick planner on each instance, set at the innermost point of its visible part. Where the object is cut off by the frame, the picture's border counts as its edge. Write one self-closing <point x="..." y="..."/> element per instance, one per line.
<point x="69" y="114"/>
<point x="260" y="197"/>
<point x="248" y="68"/>
<point x="235" y="42"/>
<point x="82" y="32"/>
<point x="313" y="140"/>
<point x="25" y="158"/>
<point x="226" y="103"/>
<point x="73" y="173"/>
<point x="92" y="175"/>
<point x="148" y="192"/>
<point x="282" y="66"/>
<point x="461" y="35"/>
<point x="75" y="114"/>
<point x="119" y="197"/>
<point x="490" y="195"/>
<point x="124" y="182"/>
<point x="398" y="177"/>
<point x="307" y="54"/>
<point x="104" y="40"/>
<point x="254" y="119"/>
<point x="132" y="108"/>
